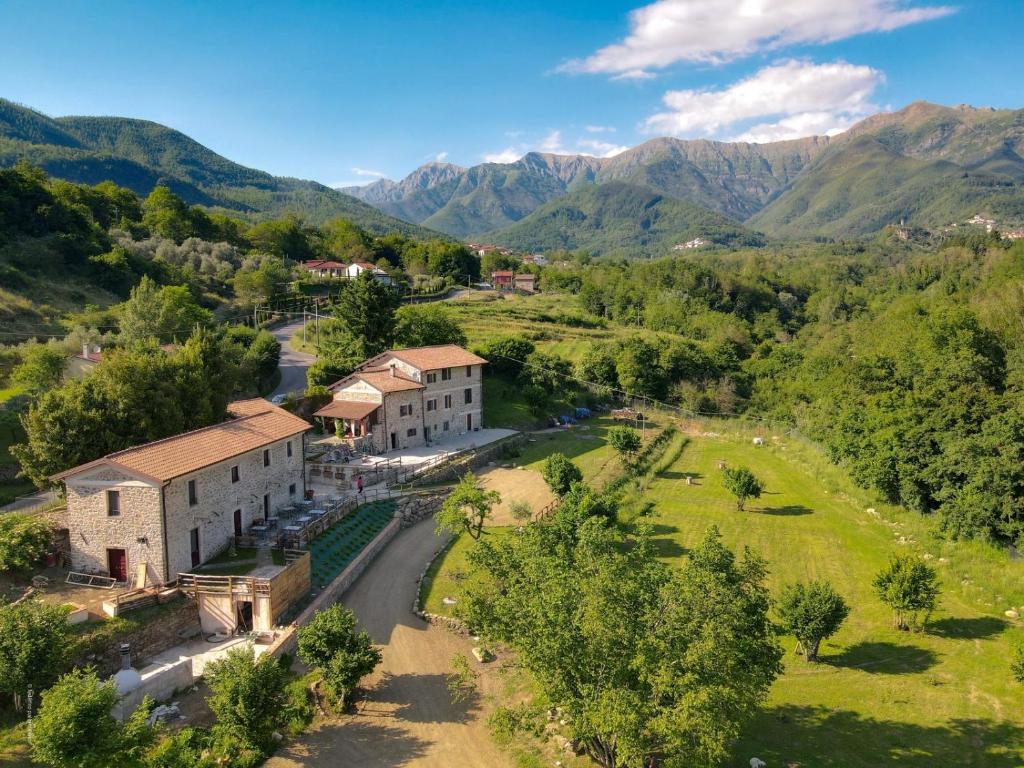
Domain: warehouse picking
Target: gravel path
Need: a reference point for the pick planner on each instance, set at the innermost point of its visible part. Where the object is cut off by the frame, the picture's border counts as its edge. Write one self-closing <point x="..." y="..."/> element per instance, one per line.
<point x="408" y="718"/>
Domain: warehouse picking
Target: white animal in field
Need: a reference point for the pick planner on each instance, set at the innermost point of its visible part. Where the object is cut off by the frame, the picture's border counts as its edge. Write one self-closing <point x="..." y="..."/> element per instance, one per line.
<point x="757" y="762"/>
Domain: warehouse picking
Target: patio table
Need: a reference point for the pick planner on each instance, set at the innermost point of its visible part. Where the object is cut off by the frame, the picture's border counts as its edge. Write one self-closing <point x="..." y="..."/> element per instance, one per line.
<point x="293" y="528"/>
<point x="317" y="512"/>
<point x="272" y="521"/>
<point x="258" y="528"/>
<point x="304" y="519"/>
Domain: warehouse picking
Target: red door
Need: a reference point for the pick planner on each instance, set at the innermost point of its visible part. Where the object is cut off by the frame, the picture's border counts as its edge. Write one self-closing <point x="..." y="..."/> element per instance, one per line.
<point x="117" y="564"/>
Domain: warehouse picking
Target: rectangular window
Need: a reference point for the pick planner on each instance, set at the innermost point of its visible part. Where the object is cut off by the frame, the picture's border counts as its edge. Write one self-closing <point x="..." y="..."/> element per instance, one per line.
<point x="432" y="405"/>
<point x="447" y="401"/>
<point x="266" y="457"/>
<point x="446" y="374"/>
<point x="266" y="505"/>
<point x="234" y="474"/>
<point x="469" y="395"/>
<point x="193" y="496"/>
<point x="410" y="432"/>
<point x="431" y="378"/>
<point x="113" y="503"/>
<point x="291" y="489"/>
<point x="446" y="426"/>
<point x="405" y="410"/>
<point x="469" y="371"/>
<point x="288" y="445"/>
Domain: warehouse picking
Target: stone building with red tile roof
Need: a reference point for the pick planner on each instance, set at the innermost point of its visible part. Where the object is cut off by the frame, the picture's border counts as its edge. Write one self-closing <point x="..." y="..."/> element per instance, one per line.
<point x="173" y="504"/>
<point x="404" y="398"/>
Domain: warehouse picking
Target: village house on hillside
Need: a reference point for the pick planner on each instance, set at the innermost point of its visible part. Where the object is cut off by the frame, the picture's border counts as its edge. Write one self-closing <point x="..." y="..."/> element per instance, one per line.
<point x="335" y="270"/>
<point x="171" y="505"/>
<point x="502" y="279"/>
<point x="409" y="397"/>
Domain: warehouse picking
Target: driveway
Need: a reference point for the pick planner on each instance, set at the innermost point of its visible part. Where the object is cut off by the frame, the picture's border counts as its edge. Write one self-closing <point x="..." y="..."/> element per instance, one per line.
<point x="293" y="363"/>
<point x="408" y="718"/>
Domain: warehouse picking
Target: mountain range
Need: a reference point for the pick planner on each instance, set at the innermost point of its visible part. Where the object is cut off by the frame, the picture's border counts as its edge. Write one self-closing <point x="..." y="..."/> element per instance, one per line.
<point x="926" y="164"/>
<point x="139" y="154"/>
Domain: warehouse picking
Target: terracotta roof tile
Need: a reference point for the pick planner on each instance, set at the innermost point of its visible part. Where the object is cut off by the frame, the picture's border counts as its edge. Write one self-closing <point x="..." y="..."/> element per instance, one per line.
<point x="429" y="358"/>
<point x="347" y="409"/>
<point x="257" y="423"/>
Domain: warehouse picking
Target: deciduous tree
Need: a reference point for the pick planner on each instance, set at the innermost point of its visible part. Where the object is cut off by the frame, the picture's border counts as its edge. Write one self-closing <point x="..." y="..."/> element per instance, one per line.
<point x="33" y="645"/>
<point x="910" y="587"/>
<point x="467" y="508"/>
<point x="74" y="727"/>
<point x="743" y="484"/>
<point x="247" y="695"/>
<point x="331" y="643"/>
<point x="811" y="613"/>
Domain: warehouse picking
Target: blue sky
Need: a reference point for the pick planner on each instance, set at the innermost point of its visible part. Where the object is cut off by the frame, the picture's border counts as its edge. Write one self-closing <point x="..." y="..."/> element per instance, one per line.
<point x="342" y="91"/>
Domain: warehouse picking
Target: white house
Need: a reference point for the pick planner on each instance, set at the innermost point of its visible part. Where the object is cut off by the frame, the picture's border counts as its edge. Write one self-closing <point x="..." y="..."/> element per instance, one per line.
<point x="356" y="268"/>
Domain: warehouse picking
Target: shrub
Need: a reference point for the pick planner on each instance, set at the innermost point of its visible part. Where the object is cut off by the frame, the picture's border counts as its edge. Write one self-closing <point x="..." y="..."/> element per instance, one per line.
<point x="560" y="473"/>
<point x="1017" y="663"/>
<point x="246" y="696"/>
<point x="74" y="727"/>
<point x="24" y="539"/>
<point x="33" y="643"/>
<point x="331" y="643"/>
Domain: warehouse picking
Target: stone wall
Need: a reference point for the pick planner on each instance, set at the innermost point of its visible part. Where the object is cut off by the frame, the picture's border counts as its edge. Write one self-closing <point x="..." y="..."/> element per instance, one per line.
<point x="168" y="629"/>
<point x="218" y="498"/>
<point x="137" y="529"/>
<point x="414" y="507"/>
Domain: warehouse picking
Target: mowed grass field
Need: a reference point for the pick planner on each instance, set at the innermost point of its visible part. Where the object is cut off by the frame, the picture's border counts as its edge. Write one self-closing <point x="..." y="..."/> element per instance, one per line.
<point x="879" y="696"/>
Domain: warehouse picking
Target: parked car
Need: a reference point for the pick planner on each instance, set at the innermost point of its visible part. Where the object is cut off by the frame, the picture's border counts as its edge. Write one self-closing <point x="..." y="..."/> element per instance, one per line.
<point x="278" y="399"/>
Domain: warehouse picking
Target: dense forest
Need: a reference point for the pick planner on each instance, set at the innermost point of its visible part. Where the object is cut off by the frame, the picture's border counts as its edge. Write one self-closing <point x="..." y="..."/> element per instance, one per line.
<point x="904" y="363"/>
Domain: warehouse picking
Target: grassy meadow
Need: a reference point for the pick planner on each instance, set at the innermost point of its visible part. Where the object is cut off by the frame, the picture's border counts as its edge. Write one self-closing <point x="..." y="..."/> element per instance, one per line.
<point x="878" y="696"/>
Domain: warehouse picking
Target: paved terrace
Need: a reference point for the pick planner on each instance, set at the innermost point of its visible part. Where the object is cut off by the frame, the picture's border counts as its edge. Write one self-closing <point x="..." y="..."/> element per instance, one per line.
<point x="407" y="458"/>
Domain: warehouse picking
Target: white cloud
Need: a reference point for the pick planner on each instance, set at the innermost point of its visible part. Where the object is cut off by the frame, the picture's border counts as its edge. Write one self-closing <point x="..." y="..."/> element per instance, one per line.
<point x="714" y="31"/>
<point x="786" y="100"/>
<point x="553" y="143"/>
<point x="600" y="148"/>
<point x="599" y="129"/>
<point x="352" y="183"/>
<point x="507" y="155"/>
<point x="440" y="157"/>
<point x="365" y="172"/>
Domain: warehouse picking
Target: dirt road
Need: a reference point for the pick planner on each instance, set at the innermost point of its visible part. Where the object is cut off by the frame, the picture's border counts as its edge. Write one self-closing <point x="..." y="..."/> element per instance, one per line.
<point x="408" y="718"/>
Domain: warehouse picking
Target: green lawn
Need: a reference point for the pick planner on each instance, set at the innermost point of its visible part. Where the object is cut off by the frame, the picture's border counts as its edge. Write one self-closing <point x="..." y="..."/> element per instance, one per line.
<point x="879" y="696"/>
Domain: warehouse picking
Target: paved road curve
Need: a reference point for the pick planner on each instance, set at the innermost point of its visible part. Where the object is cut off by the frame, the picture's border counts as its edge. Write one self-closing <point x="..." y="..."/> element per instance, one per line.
<point x="408" y="718"/>
<point x="293" y="363"/>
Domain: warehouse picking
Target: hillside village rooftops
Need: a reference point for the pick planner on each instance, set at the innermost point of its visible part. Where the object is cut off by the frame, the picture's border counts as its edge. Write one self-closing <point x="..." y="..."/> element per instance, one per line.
<point x="323" y="265"/>
<point x="428" y="358"/>
<point x="256" y="423"/>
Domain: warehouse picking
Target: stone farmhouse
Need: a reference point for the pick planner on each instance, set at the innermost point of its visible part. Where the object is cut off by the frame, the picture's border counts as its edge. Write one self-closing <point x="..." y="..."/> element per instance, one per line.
<point x="171" y="505"/>
<point x="404" y="398"/>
